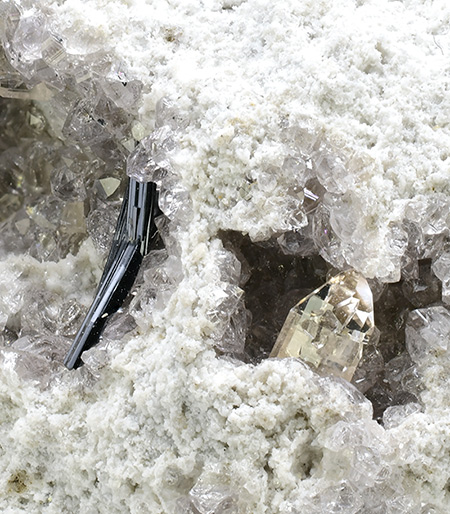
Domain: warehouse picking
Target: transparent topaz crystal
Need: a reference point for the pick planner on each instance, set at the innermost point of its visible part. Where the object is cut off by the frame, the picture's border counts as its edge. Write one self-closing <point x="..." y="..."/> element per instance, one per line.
<point x="328" y="328"/>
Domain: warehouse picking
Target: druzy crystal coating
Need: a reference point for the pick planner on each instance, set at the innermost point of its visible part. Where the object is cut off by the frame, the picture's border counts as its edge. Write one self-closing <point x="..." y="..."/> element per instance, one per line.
<point x="328" y="328"/>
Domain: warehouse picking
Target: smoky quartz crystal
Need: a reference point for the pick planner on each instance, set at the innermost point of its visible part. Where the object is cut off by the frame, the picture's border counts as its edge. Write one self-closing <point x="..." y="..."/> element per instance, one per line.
<point x="328" y="328"/>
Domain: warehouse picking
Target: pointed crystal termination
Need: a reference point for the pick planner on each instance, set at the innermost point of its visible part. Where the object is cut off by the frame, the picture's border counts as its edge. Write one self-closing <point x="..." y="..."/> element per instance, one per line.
<point x="328" y="328"/>
<point x="134" y="237"/>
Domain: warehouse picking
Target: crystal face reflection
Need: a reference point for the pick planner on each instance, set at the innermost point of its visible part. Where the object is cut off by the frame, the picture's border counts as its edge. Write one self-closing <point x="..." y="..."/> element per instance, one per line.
<point x="328" y="328"/>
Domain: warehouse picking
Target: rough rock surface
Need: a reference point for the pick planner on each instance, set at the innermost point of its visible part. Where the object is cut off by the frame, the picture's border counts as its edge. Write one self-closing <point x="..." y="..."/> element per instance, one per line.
<point x="158" y="422"/>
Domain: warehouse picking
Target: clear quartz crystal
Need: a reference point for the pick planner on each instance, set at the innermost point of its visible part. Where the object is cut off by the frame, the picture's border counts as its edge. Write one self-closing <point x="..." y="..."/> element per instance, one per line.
<point x="36" y="358"/>
<point x="341" y="499"/>
<point x="162" y="273"/>
<point x="149" y="161"/>
<point x="208" y="500"/>
<point x="67" y="185"/>
<point x="427" y="213"/>
<point x="168" y="114"/>
<point x="174" y="200"/>
<point x="370" y="366"/>
<point x="441" y="268"/>
<point x="294" y="242"/>
<point x="427" y="333"/>
<point x="122" y="92"/>
<point x="233" y="339"/>
<point x="331" y="170"/>
<point x="395" y="415"/>
<point x="83" y="126"/>
<point x="27" y="41"/>
<point x="328" y="328"/>
<point x="100" y="226"/>
<point x="70" y="318"/>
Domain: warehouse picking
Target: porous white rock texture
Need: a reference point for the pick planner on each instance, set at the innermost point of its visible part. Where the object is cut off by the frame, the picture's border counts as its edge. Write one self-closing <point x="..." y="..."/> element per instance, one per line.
<point x="165" y="415"/>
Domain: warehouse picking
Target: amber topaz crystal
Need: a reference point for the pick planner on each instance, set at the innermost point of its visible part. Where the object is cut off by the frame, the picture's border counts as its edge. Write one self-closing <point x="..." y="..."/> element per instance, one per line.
<point x="328" y="328"/>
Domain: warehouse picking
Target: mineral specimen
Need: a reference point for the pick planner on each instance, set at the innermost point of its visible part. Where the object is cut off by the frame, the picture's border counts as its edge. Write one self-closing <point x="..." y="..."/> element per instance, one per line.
<point x="441" y="268"/>
<point x="134" y="238"/>
<point x="328" y="328"/>
<point x="428" y="333"/>
<point x="313" y="163"/>
<point x="208" y="500"/>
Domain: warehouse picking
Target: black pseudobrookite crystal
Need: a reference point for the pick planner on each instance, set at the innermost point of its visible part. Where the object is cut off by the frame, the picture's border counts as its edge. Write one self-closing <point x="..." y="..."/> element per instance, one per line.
<point x="134" y="237"/>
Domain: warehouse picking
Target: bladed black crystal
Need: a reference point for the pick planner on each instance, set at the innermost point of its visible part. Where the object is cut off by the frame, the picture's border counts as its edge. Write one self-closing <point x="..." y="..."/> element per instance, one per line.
<point x="135" y="236"/>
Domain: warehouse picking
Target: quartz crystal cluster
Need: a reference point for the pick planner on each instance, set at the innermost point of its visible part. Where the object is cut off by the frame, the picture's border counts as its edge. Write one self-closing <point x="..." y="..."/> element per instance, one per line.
<point x="60" y="175"/>
<point x="69" y="135"/>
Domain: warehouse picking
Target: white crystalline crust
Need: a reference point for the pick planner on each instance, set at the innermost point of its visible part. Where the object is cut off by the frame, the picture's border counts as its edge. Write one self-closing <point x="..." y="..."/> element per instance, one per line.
<point x="166" y="414"/>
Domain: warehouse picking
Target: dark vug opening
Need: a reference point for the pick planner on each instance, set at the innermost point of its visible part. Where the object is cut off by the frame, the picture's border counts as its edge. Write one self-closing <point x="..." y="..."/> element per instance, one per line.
<point x="277" y="282"/>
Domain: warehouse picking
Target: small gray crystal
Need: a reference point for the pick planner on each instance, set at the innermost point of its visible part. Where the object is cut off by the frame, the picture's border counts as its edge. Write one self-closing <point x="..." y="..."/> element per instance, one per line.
<point x="83" y="126"/>
<point x="441" y="268"/>
<point x="168" y="115"/>
<point x="67" y="184"/>
<point x="122" y="92"/>
<point x="149" y="161"/>
<point x="35" y="358"/>
<point x="397" y="414"/>
<point x="428" y="333"/>
<point x="100" y="226"/>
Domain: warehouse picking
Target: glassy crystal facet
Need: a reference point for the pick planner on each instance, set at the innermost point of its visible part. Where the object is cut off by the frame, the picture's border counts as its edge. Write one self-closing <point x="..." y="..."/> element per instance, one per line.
<point x="327" y="329"/>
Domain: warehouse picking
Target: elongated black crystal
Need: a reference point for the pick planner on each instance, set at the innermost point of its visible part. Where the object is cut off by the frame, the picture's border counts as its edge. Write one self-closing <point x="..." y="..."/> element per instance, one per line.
<point x="134" y="237"/>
